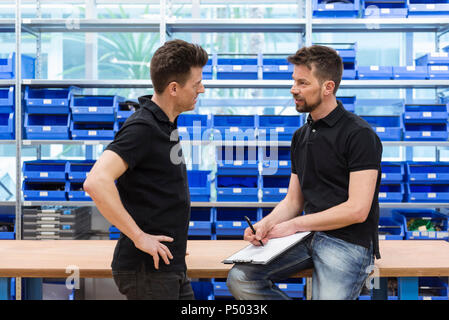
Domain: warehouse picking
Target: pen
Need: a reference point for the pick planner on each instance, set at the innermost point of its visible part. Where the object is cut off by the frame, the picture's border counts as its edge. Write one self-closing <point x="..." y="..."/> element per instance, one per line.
<point x="252" y="228"/>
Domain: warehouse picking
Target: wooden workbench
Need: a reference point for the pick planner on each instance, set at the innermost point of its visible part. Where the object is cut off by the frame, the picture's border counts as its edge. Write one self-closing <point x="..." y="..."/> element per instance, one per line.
<point x="50" y="259"/>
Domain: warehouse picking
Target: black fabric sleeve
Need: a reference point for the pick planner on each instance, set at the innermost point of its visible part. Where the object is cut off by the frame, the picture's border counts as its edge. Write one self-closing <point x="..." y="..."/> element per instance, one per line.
<point x="364" y="150"/>
<point x="132" y="143"/>
<point x="292" y="152"/>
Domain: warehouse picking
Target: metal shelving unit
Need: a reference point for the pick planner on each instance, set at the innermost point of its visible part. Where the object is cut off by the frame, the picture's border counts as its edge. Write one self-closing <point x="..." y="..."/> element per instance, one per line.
<point x="167" y="27"/>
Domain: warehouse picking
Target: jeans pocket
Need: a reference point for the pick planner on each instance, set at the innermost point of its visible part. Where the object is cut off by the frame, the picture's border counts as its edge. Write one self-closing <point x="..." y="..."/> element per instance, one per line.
<point x="126" y="282"/>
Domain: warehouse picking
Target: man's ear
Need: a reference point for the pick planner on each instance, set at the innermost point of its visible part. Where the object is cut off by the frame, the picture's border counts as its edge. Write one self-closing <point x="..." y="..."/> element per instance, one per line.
<point x="329" y="87"/>
<point x="172" y="88"/>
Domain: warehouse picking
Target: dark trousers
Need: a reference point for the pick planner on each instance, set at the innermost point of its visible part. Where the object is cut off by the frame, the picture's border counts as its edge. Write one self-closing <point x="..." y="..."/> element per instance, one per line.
<point x="153" y="285"/>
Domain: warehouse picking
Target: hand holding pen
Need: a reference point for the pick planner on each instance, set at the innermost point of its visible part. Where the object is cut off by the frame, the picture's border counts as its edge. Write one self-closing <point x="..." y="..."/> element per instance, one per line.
<point x="252" y="228"/>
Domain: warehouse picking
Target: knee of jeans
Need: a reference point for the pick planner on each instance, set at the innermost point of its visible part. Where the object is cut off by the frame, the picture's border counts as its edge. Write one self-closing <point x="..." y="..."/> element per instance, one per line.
<point x="236" y="279"/>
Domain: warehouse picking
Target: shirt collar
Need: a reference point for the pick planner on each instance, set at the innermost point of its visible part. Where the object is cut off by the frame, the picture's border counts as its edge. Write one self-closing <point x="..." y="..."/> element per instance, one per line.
<point x="332" y="118"/>
<point x="146" y="102"/>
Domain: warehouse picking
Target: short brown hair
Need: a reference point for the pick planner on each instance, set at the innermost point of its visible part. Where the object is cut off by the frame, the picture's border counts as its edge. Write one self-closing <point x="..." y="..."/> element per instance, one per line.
<point x="172" y="62"/>
<point x="327" y="62"/>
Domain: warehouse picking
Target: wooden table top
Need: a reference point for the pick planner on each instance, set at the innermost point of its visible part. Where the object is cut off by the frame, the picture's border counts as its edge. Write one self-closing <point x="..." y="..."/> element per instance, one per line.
<point x="52" y="258"/>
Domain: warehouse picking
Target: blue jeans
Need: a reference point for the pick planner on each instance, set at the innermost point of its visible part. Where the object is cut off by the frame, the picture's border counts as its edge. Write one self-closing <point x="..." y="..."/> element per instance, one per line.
<point x="340" y="270"/>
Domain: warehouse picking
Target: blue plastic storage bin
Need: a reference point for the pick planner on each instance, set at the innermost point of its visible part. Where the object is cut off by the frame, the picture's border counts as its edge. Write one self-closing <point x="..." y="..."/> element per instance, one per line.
<point x="234" y="127"/>
<point x="388" y="128"/>
<point x="114" y="233"/>
<point x="428" y="172"/>
<point x="391" y="193"/>
<point x="392" y="172"/>
<point x="7" y="102"/>
<point x="207" y="72"/>
<point x="44" y="191"/>
<point x="276" y="69"/>
<point x="93" y="130"/>
<point x="374" y="72"/>
<point x="428" y="8"/>
<point x="438" y="72"/>
<point x="7" y="227"/>
<point x="277" y="128"/>
<point x="237" y="188"/>
<point x="425" y="113"/>
<point x="201" y="222"/>
<point x="125" y="109"/>
<point x="240" y="160"/>
<point x="326" y="9"/>
<point x="348" y="103"/>
<point x="294" y="287"/>
<point x="276" y="160"/>
<point x="411" y="72"/>
<point x="75" y="192"/>
<point x="384" y="9"/>
<point x="391" y="229"/>
<point x="77" y="171"/>
<point x="237" y="68"/>
<point x="196" y="127"/>
<point x="87" y="108"/>
<point x="274" y="187"/>
<point x="199" y="185"/>
<point x="433" y="58"/>
<point x="7" y="125"/>
<point x="427" y="193"/>
<point x="45" y="170"/>
<point x="8" y="67"/>
<point x="435" y="217"/>
<point x="433" y="288"/>
<point x="48" y="100"/>
<point x="425" y="132"/>
<point x="47" y="126"/>
<point x="231" y="221"/>
<point x="221" y="289"/>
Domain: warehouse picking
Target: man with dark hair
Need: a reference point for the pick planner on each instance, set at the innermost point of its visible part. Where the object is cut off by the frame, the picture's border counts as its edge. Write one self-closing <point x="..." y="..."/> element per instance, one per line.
<point x="335" y="180"/>
<point x="150" y="204"/>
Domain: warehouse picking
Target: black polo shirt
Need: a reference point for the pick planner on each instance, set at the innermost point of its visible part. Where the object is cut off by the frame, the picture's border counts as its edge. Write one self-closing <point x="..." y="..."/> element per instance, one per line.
<point x="323" y="154"/>
<point x="154" y="188"/>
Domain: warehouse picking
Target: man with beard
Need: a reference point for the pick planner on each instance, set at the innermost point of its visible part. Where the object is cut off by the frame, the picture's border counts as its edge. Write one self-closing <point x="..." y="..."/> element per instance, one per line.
<point x="335" y="180"/>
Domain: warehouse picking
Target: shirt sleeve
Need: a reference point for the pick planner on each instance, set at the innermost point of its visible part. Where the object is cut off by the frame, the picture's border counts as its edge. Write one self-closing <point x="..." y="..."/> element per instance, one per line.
<point x="364" y="150"/>
<point x="132" y="143"/>
<point x="292" y="152"/>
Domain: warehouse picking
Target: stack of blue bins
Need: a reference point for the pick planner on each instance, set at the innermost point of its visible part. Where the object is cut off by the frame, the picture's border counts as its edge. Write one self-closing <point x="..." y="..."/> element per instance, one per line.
<point x="208" y="70"/>
<point x="125" y="109"/>
<point x="425" y="122"/>
<point x="238" y="68"/>
<point x="276" y="69"/>
<point x="94" y="117"/>
<point x="428" y="181"/>
<point x="45" y="180"/>
<point x="47" y="112"/>
<point x="277" y="127"/>
<point x="388" y="127"/>
<point x="437" y="219"/>
<point x="391" y="185"/>
<point x="348" y="103"/>
<point x="375" y="72"/>
<point x="7" y="106"/>
<point x="276" y="172"/>
<point x="384" y="8"/>
<point x="194" y="127"/>
<point x="335" y="9"/>
<point x="8" y="67"/>
<point x="437" y="64"/>
<point x="347" y="52"/>
<point x="237" y="177"/>
<point x="77" y="172"/>
<point x="428" y="8"/>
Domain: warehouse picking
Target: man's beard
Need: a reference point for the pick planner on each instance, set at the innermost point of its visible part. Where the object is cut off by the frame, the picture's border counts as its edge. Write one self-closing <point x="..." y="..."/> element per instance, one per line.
<point x="305" y="107"/>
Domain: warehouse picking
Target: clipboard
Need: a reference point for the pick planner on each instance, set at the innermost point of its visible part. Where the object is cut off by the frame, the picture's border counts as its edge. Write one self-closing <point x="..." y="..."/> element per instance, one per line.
<point x="264" y="255"/>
